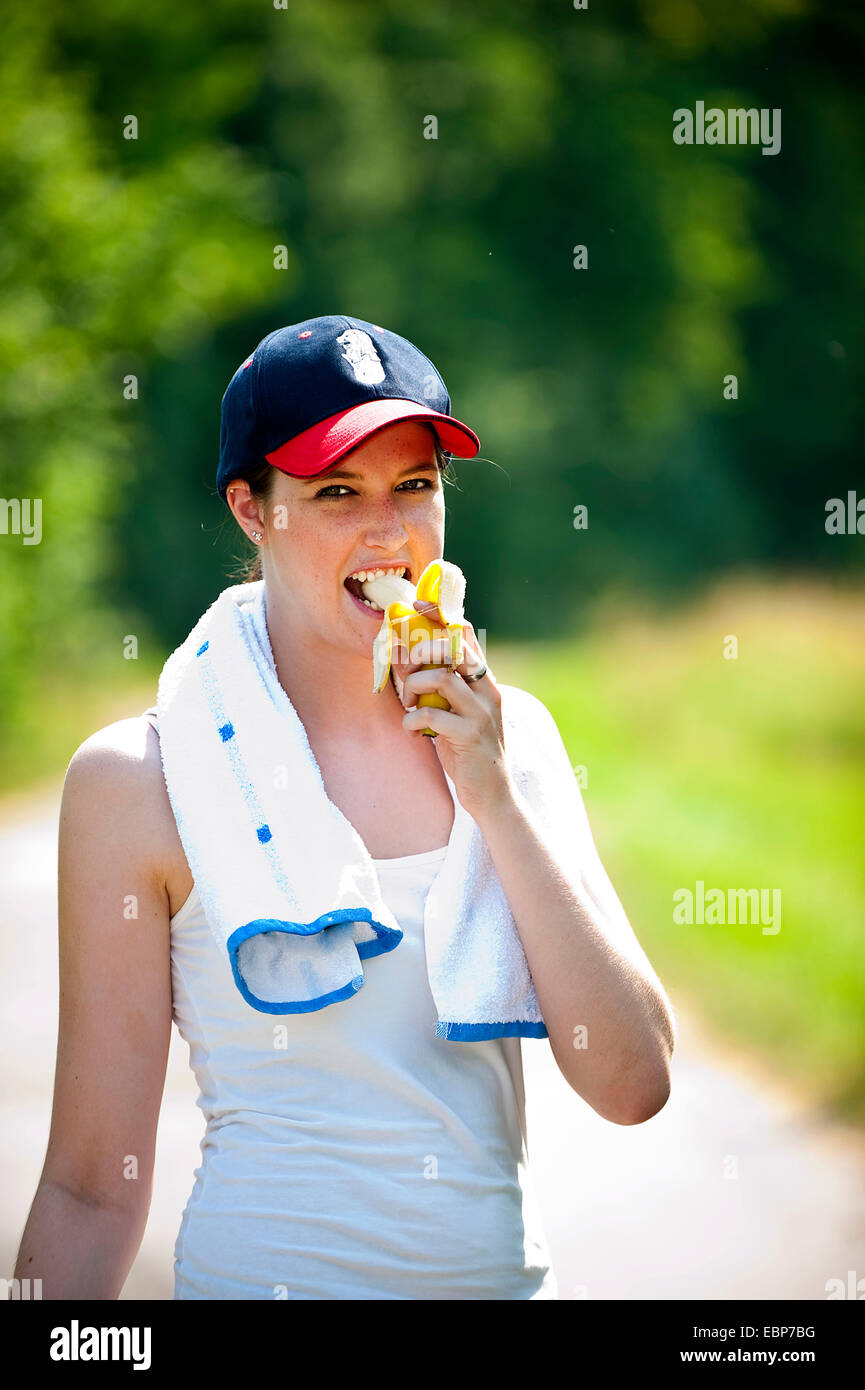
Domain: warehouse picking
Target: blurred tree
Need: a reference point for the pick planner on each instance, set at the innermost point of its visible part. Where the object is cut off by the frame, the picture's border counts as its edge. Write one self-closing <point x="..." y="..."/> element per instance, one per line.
<point x="305" y="127"/>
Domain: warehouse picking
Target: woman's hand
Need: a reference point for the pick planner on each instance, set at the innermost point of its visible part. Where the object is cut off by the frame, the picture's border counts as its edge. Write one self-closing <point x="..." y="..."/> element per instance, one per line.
<point x="469" y="736"/>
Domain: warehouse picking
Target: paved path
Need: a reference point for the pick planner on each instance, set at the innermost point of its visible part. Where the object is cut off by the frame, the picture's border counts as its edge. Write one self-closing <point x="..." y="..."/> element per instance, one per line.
<point x="734" y="1190"/>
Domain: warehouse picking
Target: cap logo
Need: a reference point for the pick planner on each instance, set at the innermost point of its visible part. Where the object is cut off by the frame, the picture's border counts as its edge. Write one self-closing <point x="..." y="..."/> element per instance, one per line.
<point x="358" y="349"/>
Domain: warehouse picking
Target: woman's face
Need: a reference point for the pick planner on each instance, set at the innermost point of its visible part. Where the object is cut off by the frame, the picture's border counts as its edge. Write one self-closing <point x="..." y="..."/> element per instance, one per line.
<point x="320" y="530"/>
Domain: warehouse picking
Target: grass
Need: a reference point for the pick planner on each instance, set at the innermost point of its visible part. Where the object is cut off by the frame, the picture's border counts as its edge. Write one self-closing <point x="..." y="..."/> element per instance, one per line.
<point x="745" y="773"/>
<point x="61" y="713"/>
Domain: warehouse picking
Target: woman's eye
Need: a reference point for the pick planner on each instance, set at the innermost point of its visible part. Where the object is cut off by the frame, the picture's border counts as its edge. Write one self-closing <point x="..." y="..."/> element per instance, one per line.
<point x="336" y="488"/>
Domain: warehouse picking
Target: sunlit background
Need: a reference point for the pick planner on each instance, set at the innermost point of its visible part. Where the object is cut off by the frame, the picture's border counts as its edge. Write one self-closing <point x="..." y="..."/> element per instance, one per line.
<point x="738" y="764"/>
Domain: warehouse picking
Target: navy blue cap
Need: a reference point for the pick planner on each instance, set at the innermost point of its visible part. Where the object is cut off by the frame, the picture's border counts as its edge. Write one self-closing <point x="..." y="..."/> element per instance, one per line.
<point x="312" y="392"/>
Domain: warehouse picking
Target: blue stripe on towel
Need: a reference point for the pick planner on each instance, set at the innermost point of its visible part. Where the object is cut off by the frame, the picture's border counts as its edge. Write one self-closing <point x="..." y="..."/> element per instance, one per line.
<point x="475" y="1032"/>
<point x="386" y="939"/>
<point x="226" y="731"/>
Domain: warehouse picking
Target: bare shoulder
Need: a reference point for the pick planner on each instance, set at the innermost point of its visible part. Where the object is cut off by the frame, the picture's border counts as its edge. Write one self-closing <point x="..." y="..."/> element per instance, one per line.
<point x="120" y="762"/>
<point x="115" y="778"/>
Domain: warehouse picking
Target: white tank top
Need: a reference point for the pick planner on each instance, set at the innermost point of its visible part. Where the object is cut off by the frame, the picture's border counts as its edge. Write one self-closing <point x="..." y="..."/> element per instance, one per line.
<point x="349" y="1153"/>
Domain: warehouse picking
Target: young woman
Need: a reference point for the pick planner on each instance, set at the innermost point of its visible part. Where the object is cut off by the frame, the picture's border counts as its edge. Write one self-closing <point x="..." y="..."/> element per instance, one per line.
<point x="361" y="1156"/>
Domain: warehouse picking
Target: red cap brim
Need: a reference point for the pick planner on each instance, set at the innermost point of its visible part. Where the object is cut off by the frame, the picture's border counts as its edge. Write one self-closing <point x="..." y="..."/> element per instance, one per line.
<point x="322" y="445"/>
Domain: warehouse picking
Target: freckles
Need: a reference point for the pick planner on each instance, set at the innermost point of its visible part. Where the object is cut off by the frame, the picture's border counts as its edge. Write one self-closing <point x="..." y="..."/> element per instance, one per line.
<point x="294" y="529"/>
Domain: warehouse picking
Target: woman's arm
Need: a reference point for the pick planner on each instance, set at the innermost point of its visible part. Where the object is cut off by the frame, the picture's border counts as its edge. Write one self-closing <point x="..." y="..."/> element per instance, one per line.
<point x="611" y="1027"/>
<point x="93" y="1197"/>
<point x="610" y="1023"/>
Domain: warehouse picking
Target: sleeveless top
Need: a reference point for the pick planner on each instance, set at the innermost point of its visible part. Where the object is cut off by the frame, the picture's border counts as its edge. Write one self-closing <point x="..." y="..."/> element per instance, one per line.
<point x="349" y="1153"/>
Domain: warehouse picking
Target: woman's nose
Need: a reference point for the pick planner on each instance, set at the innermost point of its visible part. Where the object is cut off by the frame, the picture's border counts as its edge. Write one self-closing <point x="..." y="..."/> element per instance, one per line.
<point x="386" y="527"/>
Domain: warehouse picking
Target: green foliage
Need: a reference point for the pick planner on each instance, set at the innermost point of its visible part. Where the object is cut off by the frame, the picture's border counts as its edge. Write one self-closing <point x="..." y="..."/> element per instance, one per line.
<point x="110" y="263"/>
<point x="303" y="127"/>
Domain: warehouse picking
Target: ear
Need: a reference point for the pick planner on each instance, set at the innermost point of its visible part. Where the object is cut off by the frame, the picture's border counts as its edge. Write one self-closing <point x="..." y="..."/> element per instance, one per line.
<point x="244" y="506"/>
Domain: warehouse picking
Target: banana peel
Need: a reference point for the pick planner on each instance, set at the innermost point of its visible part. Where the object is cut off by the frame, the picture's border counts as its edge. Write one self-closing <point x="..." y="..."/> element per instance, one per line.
<point x="441" y="583"/>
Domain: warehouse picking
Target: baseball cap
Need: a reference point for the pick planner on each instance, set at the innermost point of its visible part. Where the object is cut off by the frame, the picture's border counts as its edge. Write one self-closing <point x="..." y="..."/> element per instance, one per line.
<point x="313" y="391"/>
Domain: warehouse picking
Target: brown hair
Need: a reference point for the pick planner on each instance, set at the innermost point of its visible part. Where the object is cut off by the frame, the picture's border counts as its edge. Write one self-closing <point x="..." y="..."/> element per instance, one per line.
<point x="261" y="484"/>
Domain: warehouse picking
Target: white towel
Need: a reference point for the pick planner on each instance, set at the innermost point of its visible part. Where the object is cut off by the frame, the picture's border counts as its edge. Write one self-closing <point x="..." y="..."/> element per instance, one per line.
<point x="286" y="883"/>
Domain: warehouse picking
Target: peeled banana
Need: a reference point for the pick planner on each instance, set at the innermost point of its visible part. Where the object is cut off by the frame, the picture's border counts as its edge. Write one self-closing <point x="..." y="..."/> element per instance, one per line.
<point x="442" y="583"/>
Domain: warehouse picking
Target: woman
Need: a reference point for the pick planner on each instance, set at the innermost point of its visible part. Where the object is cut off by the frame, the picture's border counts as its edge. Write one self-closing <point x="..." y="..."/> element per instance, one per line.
<point x="350" y="1152"/>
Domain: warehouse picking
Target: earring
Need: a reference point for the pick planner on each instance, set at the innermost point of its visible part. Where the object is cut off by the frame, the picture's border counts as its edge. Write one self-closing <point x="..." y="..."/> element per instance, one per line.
<point x="257" y="535"/>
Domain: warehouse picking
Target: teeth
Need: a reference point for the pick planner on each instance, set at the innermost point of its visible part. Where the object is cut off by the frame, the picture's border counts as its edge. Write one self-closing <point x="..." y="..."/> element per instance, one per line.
<point x="387" y="588"/>
<point x="363" y="575"/>
<point x="366" y="576"/>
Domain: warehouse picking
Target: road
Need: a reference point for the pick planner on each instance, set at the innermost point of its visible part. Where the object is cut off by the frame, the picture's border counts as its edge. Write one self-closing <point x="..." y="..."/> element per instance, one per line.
<point x="736" y="1189"/>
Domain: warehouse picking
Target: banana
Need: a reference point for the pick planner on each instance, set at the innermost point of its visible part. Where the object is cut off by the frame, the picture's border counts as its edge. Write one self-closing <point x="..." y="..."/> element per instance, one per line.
<point x="442" y="583"/>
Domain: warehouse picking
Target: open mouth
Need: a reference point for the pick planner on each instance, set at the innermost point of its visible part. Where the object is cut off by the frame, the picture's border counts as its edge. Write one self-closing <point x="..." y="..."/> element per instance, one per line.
<point x="355" y="588"/>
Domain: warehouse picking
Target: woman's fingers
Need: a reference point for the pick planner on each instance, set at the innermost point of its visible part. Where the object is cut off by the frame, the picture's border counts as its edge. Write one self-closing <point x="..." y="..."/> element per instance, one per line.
<point x="433" y="650"/>
<point x="443" y="681"/>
